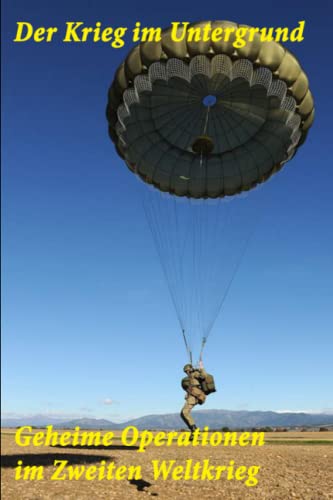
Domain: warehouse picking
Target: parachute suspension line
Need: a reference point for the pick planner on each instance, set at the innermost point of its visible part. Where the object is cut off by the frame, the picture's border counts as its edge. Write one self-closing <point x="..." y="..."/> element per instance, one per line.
<point x="233" y="276"/>
<point x="206" y="120"/>
<point x="220" y="233"/>
<point x="184" y="258"/>
<point x="190" y="269"/>
<point x="182" y="292"/>
<point x="153" y="226"/>
<point x="179" y="268"/>
<point x="203" y="134"/>
<point x="189" y="352"/>
<point x="210" y="229"/>
<point x="199" y="267"/>
<point x="193" y="283"/>
<point x="201" y="230"/>
<point x="154" y="214"/>
<point x="203" y="342"/>
<point x="174" y="271"/>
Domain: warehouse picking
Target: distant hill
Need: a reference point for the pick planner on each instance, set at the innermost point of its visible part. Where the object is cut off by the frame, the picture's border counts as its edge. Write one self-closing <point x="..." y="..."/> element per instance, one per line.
<point x="215" y="419"/>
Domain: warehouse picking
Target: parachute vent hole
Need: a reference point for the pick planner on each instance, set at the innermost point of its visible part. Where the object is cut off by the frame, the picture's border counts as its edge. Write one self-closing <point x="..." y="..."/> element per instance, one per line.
<point x="209" y="100"/>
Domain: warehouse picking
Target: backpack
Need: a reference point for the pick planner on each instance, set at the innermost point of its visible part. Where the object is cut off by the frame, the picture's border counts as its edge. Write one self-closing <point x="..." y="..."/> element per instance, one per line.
<point x="185" y="383"/>
<point x="208" y="384"/>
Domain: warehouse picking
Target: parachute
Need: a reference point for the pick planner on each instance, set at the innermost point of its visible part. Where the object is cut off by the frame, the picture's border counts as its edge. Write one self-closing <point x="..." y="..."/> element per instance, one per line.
<point x="203" y="121"/>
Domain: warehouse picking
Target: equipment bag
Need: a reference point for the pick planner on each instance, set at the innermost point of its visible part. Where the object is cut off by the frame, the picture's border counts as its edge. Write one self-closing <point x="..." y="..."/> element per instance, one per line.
<point x="185" y="383"/>
<point x="208" y="384"/>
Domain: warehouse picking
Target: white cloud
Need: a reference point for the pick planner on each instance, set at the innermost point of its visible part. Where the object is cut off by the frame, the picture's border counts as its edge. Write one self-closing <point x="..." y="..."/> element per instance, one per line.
<point x="108" y="401"/>
<point x="326" y="411"/>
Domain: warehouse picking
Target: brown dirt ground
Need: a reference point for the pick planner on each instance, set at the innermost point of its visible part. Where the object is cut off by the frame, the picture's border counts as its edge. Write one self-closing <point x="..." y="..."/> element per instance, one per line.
<point x="300" y="471"/>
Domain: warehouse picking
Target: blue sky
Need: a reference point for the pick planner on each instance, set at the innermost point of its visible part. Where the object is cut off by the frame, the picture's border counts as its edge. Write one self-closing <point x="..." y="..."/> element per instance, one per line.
<point x="87" y="318"/>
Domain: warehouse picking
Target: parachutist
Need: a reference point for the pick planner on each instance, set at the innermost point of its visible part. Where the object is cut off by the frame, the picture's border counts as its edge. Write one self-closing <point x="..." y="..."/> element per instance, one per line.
<point x="197" y="384"/>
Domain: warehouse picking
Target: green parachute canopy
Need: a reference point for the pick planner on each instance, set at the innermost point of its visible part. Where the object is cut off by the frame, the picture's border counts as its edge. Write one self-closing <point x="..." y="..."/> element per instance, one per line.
<point x="206" y="120"/>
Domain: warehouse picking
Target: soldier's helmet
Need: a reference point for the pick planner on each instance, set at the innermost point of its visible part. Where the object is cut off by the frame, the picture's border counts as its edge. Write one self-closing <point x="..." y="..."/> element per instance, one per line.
<point x="188" y="368"/>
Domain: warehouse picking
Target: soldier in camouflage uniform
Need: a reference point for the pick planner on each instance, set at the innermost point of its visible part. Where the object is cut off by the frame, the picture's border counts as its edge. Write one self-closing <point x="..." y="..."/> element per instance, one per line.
<point x="194" y="393"/>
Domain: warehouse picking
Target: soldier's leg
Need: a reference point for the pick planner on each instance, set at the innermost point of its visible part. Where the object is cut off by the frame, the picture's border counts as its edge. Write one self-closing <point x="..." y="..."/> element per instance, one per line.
<point x="186" y="411"/>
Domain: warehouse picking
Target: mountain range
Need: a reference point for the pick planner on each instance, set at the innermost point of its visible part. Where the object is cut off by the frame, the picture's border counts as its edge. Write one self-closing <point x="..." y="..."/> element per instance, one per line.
<point x="214" y="419"/>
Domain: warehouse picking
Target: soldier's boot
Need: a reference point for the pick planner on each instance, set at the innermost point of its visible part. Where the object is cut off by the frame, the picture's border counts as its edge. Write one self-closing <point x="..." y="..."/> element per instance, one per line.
<point x="193" y="427"/>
